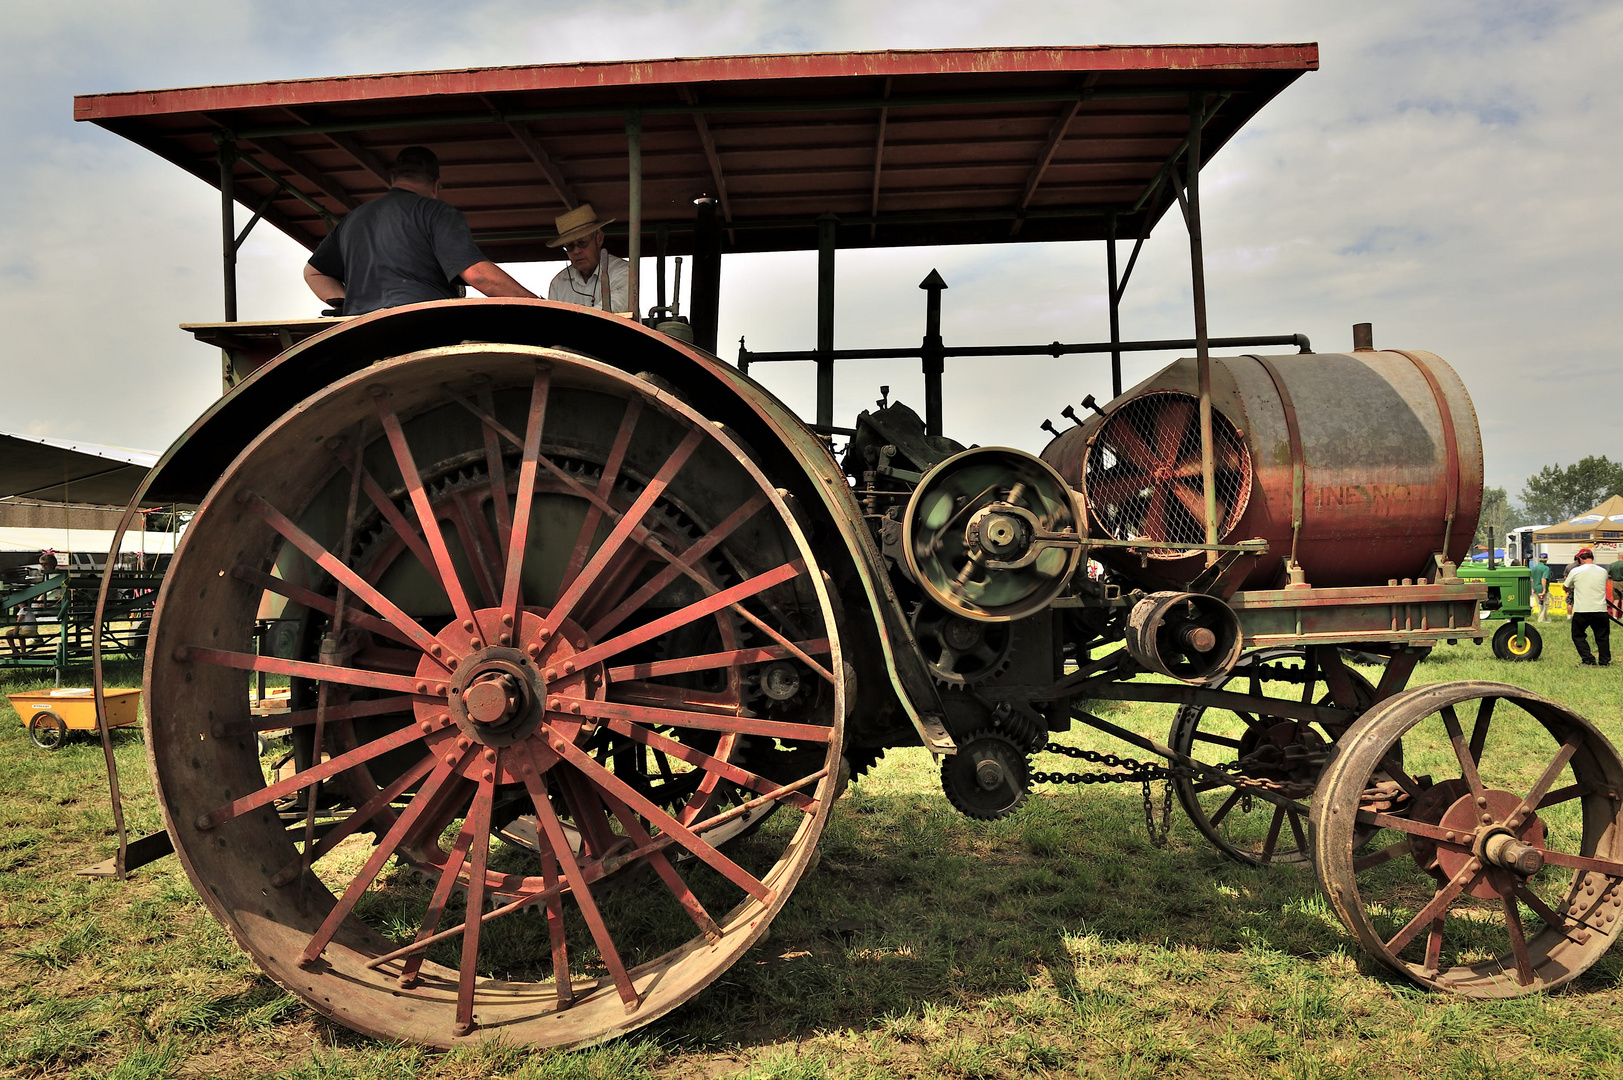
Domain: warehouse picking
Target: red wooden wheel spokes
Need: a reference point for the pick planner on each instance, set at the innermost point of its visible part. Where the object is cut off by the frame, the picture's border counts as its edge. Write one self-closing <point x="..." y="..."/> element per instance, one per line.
<point x="558" y="615"/>
<point x="1483" y="876"/>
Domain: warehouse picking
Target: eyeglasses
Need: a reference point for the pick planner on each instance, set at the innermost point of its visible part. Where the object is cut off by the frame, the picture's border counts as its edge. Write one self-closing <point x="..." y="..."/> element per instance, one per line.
<point x="578" y="245"/>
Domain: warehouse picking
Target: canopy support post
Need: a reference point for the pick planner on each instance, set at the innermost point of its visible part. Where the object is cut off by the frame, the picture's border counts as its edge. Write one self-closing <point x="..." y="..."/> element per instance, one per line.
<point x="1197" y="283"/>
<point x="662" y="239"/>
<point x="634" y="244"/>
<point x="1115" y="307"/>
<point x="825" y="319"/>
<point x="704" y="294"/>
<point x="228" y="225"/>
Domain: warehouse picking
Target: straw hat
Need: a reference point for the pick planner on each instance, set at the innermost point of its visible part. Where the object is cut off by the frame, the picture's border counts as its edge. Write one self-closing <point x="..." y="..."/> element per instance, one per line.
<point x="576" y="223"/>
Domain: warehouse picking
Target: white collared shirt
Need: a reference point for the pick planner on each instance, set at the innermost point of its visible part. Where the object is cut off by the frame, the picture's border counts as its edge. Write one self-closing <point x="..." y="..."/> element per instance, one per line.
<point x="570" y="288"/>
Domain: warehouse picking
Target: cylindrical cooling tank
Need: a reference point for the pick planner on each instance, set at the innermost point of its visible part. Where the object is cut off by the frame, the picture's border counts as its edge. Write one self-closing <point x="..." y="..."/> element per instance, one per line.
<point x="1381" y="450"/>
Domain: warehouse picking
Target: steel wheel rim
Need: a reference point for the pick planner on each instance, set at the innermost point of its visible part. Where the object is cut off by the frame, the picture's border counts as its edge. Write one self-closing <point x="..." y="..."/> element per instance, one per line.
<point x="193" y="684"/>
<point x="1565" y="915"/>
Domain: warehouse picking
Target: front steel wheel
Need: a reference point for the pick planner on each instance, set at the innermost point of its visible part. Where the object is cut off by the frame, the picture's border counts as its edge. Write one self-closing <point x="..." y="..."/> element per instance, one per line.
<point x="1471" y="835"/>
<point x="534" y="592"/>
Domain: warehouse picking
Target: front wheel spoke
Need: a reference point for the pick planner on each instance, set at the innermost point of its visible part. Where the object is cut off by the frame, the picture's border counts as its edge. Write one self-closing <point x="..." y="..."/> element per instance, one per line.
<point x="1611" y="868"/>
<point x="314" y="600"/>
<point x="678" y="565"/>
<point x="1551" y="918"/>
<point x="556" y="932"/>
<point x="693" y="612"/>
<point x="1437" y="908"/>
<point x="1536" y="796"/>
<point x="1518" y="937"/>
<point x="363" y="589"/>
<point x="741" y="725"/>
<point x="1381" y="857"/>
<point x="314" y="774"/>
<point x="478" y="825"/>
<point x="1390" y="767"/>
<point x="1479" y="730"/>
<point x="1434" y="944"/>
<point x="380" y="855"/>
<point x="1561" y="795"/>
<point x="1217" y="740"/>
<point x="1228" y="804"/>
<point x="622" y="530"/>
<point x="685" y="836"/>
<point x="1273" y="834"/>
<point x="1462" y="751"/>
<point x="1413" y="828"/>
<point x="1296" y="828"/>
<point x="305" y="669"/>
<point x="377" y="804"/>
<point x="474" y="533"/>
<point x="699" y="759"/>
<point x="578" y="887"/>
<point x="425" y="510"/>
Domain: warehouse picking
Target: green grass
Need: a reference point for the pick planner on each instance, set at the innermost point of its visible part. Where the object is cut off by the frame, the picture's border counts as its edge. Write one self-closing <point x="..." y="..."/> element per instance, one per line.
<point x="1058" y="942"/>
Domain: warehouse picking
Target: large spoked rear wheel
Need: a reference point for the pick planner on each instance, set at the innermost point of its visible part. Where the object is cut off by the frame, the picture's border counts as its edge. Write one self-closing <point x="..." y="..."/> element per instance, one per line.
<point x="531" y="589"/>
<point x="1471" y="835"/>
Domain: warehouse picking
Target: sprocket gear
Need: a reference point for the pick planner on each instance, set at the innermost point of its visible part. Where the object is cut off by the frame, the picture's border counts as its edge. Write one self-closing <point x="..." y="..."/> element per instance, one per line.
<point x="988" y="777"/>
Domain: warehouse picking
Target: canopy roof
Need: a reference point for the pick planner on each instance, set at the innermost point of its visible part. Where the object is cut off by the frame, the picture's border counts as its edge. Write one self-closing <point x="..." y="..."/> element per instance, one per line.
<point x="1604" y="522"/>
<point x="59" y="470"/>
<point x="927" y="147"/>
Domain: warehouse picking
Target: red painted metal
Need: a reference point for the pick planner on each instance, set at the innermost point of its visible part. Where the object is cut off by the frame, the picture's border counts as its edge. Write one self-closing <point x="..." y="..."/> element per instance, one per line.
<point x="965" y="132"/>
<point x="711" y="661"/>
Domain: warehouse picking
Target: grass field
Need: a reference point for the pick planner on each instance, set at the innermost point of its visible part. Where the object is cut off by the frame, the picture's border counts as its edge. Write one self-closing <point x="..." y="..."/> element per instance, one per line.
<point x="1057" y="942"/>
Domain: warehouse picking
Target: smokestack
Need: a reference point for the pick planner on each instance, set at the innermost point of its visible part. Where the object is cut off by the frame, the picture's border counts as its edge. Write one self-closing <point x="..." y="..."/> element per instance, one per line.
<point x="1363" y="337"/>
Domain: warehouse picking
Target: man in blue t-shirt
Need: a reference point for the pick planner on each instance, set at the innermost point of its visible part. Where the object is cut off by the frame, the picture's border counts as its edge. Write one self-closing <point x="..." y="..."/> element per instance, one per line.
<point x="404" y="247"/>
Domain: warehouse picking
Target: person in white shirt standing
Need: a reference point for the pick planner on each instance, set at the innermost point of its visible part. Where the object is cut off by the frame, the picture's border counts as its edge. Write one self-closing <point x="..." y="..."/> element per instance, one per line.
<point x="594" y="278"/>
<point x="1586" y="600"/>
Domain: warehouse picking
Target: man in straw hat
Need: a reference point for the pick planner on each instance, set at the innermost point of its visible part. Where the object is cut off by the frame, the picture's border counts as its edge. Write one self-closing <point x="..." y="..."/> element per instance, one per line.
<point x="593" y="278"/>
<point x="404" y="247"/>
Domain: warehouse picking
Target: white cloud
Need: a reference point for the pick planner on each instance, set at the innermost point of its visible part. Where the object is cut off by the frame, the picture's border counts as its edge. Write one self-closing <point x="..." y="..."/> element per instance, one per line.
<point x="1448" y="175"/>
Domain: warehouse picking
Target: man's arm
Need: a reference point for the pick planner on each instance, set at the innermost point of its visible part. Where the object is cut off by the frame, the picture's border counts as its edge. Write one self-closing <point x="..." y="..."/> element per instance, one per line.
<point x="492" y="280"/>
<point x="328" y="290"/>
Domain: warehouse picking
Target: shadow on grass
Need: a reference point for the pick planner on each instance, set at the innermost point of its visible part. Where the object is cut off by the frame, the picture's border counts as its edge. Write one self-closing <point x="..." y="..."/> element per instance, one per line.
<point x="914" y="908"/>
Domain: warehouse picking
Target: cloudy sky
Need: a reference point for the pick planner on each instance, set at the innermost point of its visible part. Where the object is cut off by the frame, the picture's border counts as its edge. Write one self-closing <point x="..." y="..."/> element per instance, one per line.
<point x="1450" y="174"/>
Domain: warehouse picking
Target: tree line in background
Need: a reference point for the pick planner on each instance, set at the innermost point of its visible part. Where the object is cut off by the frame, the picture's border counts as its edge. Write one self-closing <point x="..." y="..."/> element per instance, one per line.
<point x="1550" y="495"/>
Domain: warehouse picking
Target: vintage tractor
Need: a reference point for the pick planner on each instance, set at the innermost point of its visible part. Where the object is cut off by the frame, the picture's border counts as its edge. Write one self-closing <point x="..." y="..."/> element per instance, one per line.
<point x="591" y="630"/>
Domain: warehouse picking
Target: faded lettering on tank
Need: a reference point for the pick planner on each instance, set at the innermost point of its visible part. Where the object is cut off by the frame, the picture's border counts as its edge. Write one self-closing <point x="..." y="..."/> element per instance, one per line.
<point x="1363" y="495"/>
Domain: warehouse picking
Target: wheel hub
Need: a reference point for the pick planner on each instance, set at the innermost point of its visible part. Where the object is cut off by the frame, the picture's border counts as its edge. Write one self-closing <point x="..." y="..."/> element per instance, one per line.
<point x="500" y="695"/>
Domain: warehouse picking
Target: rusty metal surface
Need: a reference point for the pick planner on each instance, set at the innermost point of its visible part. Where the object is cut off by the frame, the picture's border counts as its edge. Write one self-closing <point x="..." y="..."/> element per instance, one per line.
<point x="1416" y="614"/>
<point x="973" y="149"/>
<point x="1389" y="448"/>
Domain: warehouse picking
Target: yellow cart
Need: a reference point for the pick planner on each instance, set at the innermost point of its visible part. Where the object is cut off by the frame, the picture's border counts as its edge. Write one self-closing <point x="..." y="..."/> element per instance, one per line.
<point x="50" y="714"/>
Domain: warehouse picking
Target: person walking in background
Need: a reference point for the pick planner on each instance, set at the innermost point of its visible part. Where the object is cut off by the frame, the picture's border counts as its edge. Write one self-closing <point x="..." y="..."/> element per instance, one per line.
<point x="1541" y="586"/>
<point x="1586" y="600"/>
